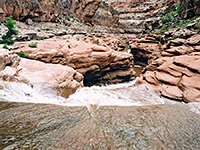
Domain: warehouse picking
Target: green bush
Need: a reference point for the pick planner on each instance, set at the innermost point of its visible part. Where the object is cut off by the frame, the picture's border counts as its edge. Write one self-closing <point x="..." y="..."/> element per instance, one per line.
<point x="22" y="54"/>
<point x="33" y="45"/>
<point x="175" y="36"/>
<point x="5" y="46"/>
<point x="7" y="38"/>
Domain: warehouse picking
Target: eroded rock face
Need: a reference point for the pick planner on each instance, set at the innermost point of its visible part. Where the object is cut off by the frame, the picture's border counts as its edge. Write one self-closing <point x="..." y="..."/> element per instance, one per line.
<point x="145" y="50"/>
<point x="98" y="64"/>
<point x="63" y="79"/>
<point x="85" y="10"/>
<point x="150" y="48"/>
<point x="175" y="77"/>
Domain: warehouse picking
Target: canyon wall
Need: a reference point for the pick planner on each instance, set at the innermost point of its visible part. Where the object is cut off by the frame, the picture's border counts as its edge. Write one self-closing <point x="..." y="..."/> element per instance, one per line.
<point x="45" y="10"/>
<point x="48" y="10"/>
<point x="88" y="11"/>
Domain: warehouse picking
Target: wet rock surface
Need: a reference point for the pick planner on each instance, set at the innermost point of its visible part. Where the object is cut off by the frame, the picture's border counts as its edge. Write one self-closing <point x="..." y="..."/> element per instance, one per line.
<point x="91" y="53"/>
<point x="37" y="126"/>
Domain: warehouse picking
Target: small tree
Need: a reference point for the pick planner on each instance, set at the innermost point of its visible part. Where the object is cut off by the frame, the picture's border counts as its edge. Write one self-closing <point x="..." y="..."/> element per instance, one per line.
<point x="7" y="38"/>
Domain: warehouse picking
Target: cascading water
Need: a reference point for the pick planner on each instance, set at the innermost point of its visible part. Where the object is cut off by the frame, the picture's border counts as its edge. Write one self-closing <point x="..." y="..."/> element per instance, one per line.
<point x="123" y="94"/>
<point x="118" y="116"/>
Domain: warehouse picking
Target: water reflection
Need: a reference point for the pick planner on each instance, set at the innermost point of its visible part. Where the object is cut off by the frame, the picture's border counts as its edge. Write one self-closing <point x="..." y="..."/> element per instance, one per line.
<point x="138" y="69"/>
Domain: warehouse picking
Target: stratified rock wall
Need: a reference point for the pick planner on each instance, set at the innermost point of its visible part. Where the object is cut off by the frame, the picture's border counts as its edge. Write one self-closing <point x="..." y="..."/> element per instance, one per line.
<point x="48" y="10"/>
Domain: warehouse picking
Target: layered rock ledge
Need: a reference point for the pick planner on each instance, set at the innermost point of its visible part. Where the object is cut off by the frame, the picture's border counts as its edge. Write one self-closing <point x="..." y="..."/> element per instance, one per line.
<point x="175" y="77"/>
<point x="98" y="64"/>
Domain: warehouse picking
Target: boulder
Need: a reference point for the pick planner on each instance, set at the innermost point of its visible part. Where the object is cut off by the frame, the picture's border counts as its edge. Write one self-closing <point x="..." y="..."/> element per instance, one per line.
<point x="175" y="77"/>
<point x="8" y="58"/>
<point x="64" y="80"/>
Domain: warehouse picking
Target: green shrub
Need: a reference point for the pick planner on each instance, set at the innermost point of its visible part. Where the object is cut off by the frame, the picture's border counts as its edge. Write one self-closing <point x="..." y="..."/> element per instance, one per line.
<point x="38" y="38"/>
<point x="33" y="45"/>
<point x="178" y="9"/>
<point x="22" y="54"/>
<point x="175" y="36"/>
<point x="7" y="38"/>
<point x="163" y="28"/>
<point x="5" y="46"/>
<point x="39" y="30"/>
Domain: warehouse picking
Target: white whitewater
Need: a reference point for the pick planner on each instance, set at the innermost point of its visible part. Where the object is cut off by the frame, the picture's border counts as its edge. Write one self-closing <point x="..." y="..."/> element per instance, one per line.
<point x="123" y="94"/>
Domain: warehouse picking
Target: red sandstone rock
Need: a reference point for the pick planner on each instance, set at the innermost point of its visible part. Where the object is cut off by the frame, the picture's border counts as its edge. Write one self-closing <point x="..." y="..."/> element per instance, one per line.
<point x="93" y="61"/>
<point x="55" y="76"/>
<point x="63" y="79"/>
<point x="45" y="10"/>
<point x="145" y="50"/>
<point x="85" y="10"/>
<point x="176" y="78"/>
<point x="8" y="58"/>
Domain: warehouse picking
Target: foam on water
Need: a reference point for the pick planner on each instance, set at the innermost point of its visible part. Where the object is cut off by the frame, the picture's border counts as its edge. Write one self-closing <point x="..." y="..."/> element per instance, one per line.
<point x="195" y="107"/>
<point x="21" y="92"/>
<point x="123" y="94"/>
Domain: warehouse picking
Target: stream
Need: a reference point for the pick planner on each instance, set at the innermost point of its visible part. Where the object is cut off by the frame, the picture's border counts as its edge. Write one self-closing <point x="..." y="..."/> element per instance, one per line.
<point x="118" y="116"/>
